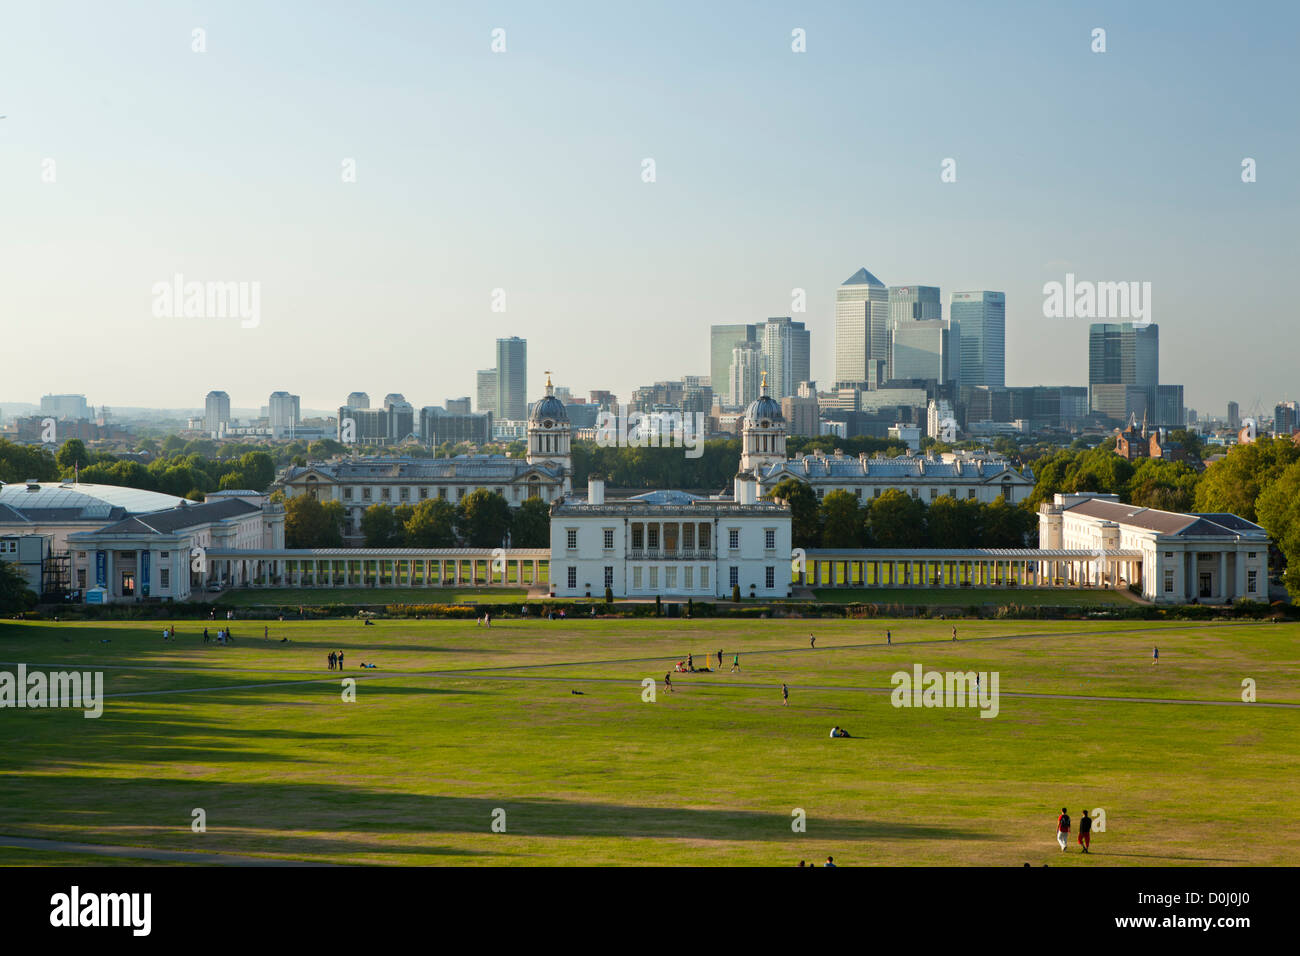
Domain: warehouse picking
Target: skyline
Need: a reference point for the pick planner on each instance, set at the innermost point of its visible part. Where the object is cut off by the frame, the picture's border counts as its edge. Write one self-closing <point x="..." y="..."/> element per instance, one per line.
<point x="478" y="171"/>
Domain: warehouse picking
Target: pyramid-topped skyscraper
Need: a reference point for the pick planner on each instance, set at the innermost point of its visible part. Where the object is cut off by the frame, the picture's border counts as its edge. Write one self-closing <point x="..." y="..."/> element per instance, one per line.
<point x="861" y="326"/>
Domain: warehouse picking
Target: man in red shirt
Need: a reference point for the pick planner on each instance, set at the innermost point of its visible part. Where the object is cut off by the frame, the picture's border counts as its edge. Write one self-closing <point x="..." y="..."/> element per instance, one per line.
<point x="1063" y="829"/>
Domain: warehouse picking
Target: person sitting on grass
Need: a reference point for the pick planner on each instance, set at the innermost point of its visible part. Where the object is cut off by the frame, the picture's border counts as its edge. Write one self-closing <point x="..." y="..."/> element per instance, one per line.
<point x="838" y="731"/>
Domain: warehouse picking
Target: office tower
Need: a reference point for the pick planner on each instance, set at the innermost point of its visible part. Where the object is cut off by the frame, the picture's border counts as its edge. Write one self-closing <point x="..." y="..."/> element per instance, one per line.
<point x="606" y="399"/>
<point x="438" y="427"/>
<point x="564" y="394"/>
<point x="722" y="340"/>
<point x="1286" y="419"/>
<point x="512" y="379"/>
<point x="802" y="415"/>
<point x="401" y="417"/>
<point x="1169" y="407"/>
<point x="1234" y="416"/>
<point x="744" y="377"/>
<point x="806" y="390"/>
<point x="697" y="394"/>
<point x="981" y="321"/>
<point x="216" y="413"/>
<point x="459" y="406"/>
<point x="787" y="355"/>
<point x="487" y="390"/>
<point x="861" y="326"/>
<point x="284" y="414"/>
<point x="924" y="349"/>
<point x="65" y="407"/>
<point x="358" y="400"/>
<point x="1121" y="353"/>
<point x="914" y="303"/>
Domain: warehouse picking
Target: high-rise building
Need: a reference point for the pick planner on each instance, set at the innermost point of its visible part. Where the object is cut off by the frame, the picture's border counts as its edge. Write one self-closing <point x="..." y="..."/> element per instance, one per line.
<point x="438" y="426"/>
<point x="787" y="355"/>
<point x="722" y="340"/>
<point x="401" y="417"/>
<point x="216" y="413"/>
<point x="914" y="303"/>
<point x="358" y="400"/>
<point x="1121" y="353"/>
<point x="861" y="325"/>
<point x="1286" y="419"/>
<point x="284" y="413"/>
<point x="925" y="349"/>
<point x="65" y="407"/>
<point x="802" y="414"/>
<point x="512" y="379"/>
<point x="981" y="321"/>
<point x="1169" y="406"/>
<point x="1234" y="416"/>
<point x="745" y="374"/>
<point x="486" y="384"/>
<point x="459" y="406"/>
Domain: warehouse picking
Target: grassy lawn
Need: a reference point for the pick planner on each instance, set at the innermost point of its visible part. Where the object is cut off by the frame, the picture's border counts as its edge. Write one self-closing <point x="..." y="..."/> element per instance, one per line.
<point x="249" y="597"/>
<point x="965" y="597"/>
<point x="460" y="721"/>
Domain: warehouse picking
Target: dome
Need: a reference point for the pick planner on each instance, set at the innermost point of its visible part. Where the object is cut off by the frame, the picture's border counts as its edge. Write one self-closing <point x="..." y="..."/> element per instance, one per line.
<point x="549" y="409"/>
<point x="763" y="409"/>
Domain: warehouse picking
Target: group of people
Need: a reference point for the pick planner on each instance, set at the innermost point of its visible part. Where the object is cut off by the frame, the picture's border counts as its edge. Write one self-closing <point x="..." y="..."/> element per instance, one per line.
<point x="223" y="636"/>
<point x="1063" y="830"/>
<point x="169" y="633"/>
<point x="830" y="861"/>
<point x="336" y="660"/>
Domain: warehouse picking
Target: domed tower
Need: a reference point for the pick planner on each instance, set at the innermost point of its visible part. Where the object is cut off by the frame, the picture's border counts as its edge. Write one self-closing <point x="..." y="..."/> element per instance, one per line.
<point x="550" y="434"/>
<point x="762" y="433"/>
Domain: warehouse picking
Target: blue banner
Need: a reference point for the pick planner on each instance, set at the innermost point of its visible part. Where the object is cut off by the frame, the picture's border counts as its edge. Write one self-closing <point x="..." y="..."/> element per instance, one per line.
<point x="101" y="569"/>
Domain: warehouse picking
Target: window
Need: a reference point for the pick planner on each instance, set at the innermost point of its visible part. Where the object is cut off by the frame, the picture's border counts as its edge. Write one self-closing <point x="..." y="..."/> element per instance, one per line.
<point x="769" y="539"/>
<point x="638" y="538"/>
<point x="571" y="539"/>
<point x="733" y="538"/>
<point x="1250" y="580"/>
<point x="1169" y="582"/>
<point x="164" y="578"/>
<point x="81" y="578"/>
<point x="1250" y="554"/>
<point x="704" y="537"/>
<point x="385" y="493"/>
<point x="876" y="494"/>
<point x="733" y="576"/>
<point x="769" y="577"/>
<point x="688" y="577"/>
<point x="934" y="493"/>
<point x="609" y="576"/>
<point x="347" y="494"/>
<point x="858" y="492"/>
<point x="916" y="492"/>
<point x="704" y="577"/>
<point x="573" y="576"/>
<point x="365" y="494"/>
<point x="424" y="493"/>
<point x="670" y="579"/>
<point x="654" y="578"/>
<point x="442" y="493"/>
<point x="405" y="494"/>
<point x="636" y="578"/>
<point x="970" y="493"/>
<point x="609" y="539"/>
<point x="652" y="536"/>
<point x="460" y="493"/>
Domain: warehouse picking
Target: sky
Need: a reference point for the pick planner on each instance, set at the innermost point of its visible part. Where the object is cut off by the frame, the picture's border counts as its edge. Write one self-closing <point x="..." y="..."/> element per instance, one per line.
<point x="126" y="158"/>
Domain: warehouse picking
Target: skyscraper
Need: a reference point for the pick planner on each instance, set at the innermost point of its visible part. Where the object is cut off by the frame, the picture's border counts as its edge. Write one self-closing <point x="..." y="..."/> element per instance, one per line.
<point x="216" y="413"/>
<point x="914" y="303"/>
<point x="786" y="355"/>
<point x="512" y="379"/>
<point x="1234" y="416"/>
<point x="401" y="417"/>
<point x="925" y="349"/>
<point x="486" y="385"/>
<point x="1121" y="353"/>
<point x="722" y="339"/>
<point x="358" y="400"/>
<point x="981" y="321"/>
<point x="284" y="413"/>
<point x="861" y="325"/>
<point x="743" y="377"/>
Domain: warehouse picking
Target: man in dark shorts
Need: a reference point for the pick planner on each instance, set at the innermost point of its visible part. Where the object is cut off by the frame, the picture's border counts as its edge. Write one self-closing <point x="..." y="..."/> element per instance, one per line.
<point x="719" y="660"/>
<point x="668" y="682"/>
<point x="1085" y="831"/>
<point x="340" y="660"/>
<point x="785" y="695"/>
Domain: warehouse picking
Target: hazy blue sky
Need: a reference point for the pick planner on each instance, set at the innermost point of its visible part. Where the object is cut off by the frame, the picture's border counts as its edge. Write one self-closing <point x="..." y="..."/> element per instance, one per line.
<point x="522" y="171"/>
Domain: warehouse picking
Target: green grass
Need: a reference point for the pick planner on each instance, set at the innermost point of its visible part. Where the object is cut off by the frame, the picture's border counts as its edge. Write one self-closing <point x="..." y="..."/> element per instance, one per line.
<point x="251" y="597"/>
<point x="461" y="720"/>
<point x="965" y="597"/>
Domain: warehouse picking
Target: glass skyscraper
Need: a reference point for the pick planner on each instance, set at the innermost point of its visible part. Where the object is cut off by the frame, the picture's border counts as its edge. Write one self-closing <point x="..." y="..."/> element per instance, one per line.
<point x="861" y="326"/>
<point x="512" y="379"/>
<point x="786" y="355"/>
<point x="1124" y="354"/>
<point x="722" y="340"/>
<point x="981" y="320"/>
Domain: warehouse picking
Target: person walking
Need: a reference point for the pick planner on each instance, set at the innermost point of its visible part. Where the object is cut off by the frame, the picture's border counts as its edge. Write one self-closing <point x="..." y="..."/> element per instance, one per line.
<point x="785" y="695"/>
<point x="888" y="638"/>
<point x="719" y="660"/>
<point x="205" y="635"/>
<point x="1085" y="831"/>
<point x="812" y="641"/>
<point x="1155" y="656"/>
<point x="735" y="663"/>
<point x="1063" y="829"/>
<point x="668" y="682"/>
<point x="340" y="660"/>
<point x="331" y="660"/>
<point x="954" y="632"/>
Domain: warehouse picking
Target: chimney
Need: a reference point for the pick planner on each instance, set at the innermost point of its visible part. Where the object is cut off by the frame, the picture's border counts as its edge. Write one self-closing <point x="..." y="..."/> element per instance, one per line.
<point x="595" y="490"/>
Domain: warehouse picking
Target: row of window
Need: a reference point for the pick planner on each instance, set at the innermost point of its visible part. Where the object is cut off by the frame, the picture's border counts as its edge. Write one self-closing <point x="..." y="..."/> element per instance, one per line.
<point x="652" y="536"/>
<point x="935" y="493"/>
<point x="404" y="492"/>
<point x="644" y="578"/>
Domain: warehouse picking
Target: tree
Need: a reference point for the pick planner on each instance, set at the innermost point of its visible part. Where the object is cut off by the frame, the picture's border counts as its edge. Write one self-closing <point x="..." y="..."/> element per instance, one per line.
<point x="1278" y="510"/>
<point x="20" y="462"/>
<point x="531" y="525"/>
<point x="1234" y="484"/>
<point x="1007" y="525"/>
<point x="381" y="528"/>
<point x="432" y="525"/>
<point x="954" y="524"/>
<point x="310" y="524"/>
<point x="15" y="595"/>
<point x="483" y="518"/>
<point x="805" y="514"/>
<point x="258" y="469"/>
<point x="72" y="455"/>
<point x="897" y="520"/>
<point x="841" y="521"/>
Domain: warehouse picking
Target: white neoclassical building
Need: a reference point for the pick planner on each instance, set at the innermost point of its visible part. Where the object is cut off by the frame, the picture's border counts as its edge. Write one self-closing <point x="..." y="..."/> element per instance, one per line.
<point x="670" y="544"/>
<point x="357" y="483"/>
<point x="1175" y="558"/>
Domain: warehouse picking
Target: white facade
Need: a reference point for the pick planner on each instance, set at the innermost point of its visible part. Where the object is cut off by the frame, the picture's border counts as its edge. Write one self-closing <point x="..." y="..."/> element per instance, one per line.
<point x="1186" y="558"/>
<point x="669" y="544"/>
